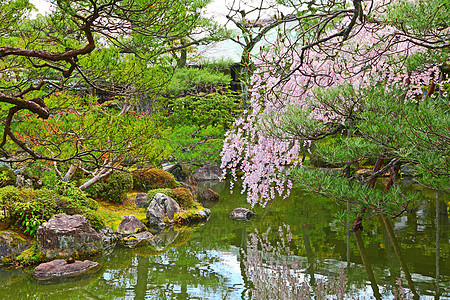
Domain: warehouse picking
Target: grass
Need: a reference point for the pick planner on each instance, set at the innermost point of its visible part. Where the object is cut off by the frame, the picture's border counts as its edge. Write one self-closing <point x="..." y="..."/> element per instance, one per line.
<point x="114" y="212"/>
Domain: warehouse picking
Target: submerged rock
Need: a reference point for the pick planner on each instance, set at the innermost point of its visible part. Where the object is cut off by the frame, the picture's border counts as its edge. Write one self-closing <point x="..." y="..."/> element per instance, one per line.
<point x="162" y="206"/>
<point x="242" y="214"/>
<point x="130" y="225"/>
<point x="66" y="236"/>
<point x="205" y="213"/>
<point x="208" y="196"/>
<point x="62" y="268"/>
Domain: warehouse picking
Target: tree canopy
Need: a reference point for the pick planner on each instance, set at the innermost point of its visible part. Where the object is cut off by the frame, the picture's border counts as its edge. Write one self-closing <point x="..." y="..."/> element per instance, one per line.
<point x="116" y="46"/>
<point x="356" y="73"/>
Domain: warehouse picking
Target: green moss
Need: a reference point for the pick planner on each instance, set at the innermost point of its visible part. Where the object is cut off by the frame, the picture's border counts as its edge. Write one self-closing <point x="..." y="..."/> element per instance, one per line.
<point x="189" y="216"/>
<point x="183" y="197"/>
<point x="112" y="213"/>
<point x="13" y="237"/>
<point x="31" y="256"/>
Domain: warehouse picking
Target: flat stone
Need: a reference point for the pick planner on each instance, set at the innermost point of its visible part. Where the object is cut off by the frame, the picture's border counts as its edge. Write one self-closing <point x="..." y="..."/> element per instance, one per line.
<point x="61" y="268"/>
<point x="242" y="214"/>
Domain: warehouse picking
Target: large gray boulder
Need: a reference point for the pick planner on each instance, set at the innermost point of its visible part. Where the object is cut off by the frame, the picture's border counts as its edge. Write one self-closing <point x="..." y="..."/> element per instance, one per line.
<point x="66" y="236"/>
<point x="207" y="173"/>
<point x="11" y="244"/>
<point x="62" y="268"/>
<point x="242" y="214"/>
<point x="161" y="206"/>
<point x="130" y="225"/>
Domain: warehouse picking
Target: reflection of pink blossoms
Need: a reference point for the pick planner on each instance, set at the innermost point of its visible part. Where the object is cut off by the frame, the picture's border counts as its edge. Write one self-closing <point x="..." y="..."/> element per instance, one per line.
<point x="365" y="59"/>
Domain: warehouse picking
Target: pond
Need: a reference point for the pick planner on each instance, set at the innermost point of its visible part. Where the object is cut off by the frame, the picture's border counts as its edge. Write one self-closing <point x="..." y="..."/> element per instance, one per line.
<point x="218" y="260"/>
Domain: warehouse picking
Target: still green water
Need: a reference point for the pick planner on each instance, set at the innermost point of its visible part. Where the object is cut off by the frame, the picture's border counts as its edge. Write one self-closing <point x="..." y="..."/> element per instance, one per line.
<point x="208" y="261"/>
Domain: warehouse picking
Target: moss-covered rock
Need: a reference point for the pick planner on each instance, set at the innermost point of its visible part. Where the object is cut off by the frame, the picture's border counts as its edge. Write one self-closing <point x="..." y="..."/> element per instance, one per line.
<point x="31" y="256"/>
<point x="194" y="215"/>
<point x="181" y="195"/>
<point x="11" y="245"/>
<point x="66" y="236"/>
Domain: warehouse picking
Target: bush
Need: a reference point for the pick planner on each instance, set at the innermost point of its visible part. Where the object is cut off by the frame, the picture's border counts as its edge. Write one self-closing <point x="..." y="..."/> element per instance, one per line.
<point x="181" y="195"/>
<point x="29" y="208"/>
<point x="97" y="221"/>
<point x="73" y="192"/>
<point x="7" y="176"/>
<point x="150" y="179"/>
<point x="113" y="188"/>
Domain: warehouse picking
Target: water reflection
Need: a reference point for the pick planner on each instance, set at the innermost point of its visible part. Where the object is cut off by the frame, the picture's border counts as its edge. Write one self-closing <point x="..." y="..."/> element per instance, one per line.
<point x="219" y="260"/>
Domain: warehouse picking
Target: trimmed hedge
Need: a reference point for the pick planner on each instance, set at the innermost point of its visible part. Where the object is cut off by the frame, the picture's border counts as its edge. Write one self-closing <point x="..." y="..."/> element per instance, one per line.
<point x="150" y="179"/>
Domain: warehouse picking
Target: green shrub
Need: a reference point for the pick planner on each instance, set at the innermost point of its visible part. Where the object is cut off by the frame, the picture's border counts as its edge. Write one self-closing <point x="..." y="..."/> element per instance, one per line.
<point x="181" y="195"/>
<point x="29" y="208"/>
<point x="70" y="190"/>
<point x="42" y="172"/>
<point x="113" y="188"/>
<point x="150" y="179"/>
<point x="7" y="176"/>
<point x="97" y="221"/>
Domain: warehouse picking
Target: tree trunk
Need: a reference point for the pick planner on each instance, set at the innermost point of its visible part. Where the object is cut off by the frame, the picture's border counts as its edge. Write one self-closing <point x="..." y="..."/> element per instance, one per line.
<point x="104" y="172"/>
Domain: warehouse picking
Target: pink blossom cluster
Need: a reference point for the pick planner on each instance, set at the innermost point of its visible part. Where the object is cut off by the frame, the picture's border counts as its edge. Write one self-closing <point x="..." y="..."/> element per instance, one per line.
<point x="373" y="54"/>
